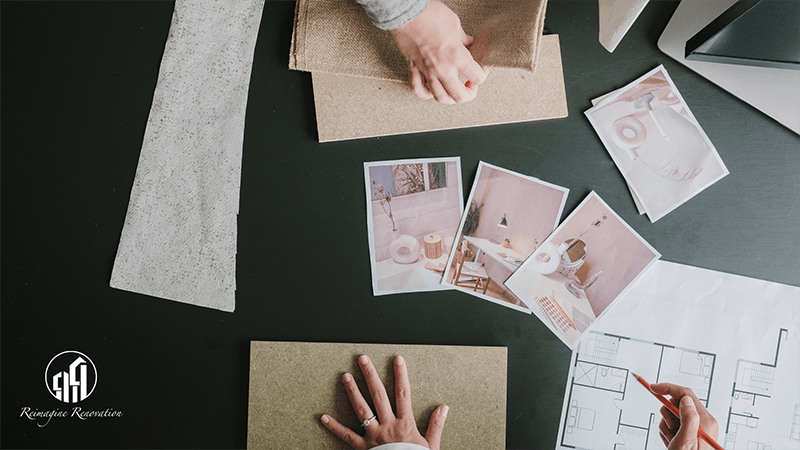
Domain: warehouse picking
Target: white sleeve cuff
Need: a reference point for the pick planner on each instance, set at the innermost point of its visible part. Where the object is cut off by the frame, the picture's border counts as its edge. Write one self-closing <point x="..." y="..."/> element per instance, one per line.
<point x="399" y="446"/>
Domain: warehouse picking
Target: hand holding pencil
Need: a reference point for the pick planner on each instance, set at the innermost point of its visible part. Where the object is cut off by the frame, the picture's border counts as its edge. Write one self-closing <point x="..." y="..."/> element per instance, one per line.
<point x="685" y="433"/>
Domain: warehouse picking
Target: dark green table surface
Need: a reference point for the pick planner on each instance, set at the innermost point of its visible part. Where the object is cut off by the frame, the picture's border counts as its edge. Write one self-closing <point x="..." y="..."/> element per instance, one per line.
<point x="77" y="82"/>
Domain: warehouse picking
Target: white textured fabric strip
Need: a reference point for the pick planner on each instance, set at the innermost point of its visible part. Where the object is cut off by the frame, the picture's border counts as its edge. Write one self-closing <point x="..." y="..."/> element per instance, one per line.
<point x="179" y="238"/>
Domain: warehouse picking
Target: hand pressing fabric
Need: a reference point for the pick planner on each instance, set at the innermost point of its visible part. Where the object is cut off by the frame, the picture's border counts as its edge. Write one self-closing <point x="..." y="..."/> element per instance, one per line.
<point x="383" y="426"/>
<point x="435" y="46"/>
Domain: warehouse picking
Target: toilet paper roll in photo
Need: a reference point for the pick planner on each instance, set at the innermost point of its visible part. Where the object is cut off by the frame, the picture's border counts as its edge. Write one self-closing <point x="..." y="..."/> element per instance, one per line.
<point x="545" y="259"/>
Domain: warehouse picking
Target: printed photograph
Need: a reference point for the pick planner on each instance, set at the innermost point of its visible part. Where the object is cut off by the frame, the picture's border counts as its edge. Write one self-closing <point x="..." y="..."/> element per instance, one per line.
<point x="413" y="210"/>
<point x="656" y="142"/>
<point x="581" y="269"/>
<point x="508" y="215"/>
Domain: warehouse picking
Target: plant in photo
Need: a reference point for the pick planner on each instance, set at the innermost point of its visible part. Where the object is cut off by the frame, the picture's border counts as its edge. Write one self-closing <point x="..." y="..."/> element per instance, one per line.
<point x="472" y="219"/>
<point x="385" y="199"/>
<point x="408" y="178"/>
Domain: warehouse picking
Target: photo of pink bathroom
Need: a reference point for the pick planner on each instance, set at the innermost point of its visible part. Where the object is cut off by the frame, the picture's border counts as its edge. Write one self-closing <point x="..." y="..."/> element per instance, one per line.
<point x="508" y="216"/>
<point x="656" y="142"/>
<point x="413" y="210"/>
<point x="581" y="269"/>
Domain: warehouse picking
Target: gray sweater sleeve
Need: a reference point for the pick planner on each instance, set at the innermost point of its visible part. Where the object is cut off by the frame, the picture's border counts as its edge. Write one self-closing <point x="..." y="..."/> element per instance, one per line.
<point x="391" y="14"/>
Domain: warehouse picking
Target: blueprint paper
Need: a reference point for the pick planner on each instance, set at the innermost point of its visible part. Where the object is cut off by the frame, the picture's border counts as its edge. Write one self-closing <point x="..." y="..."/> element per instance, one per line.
<point x="734" y="340"/>
<point x="179" y="237"/>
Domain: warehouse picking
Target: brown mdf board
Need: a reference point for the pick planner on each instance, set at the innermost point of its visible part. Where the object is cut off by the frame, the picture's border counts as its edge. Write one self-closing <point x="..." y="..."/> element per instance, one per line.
<point x="293" y="383"/>
<point x="350" y="107"/>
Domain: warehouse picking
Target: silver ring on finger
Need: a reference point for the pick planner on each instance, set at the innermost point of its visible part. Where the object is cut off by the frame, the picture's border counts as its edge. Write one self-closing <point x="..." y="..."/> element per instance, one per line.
<point x="366" y="423"/>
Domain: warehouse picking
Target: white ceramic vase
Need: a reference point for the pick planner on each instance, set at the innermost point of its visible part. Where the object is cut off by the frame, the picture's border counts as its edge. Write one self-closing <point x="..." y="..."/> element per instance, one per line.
<point x="404" y="250"/>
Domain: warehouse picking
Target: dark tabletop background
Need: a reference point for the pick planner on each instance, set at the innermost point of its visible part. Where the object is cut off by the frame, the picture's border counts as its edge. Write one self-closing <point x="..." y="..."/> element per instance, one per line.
<point x="77" y="82"/>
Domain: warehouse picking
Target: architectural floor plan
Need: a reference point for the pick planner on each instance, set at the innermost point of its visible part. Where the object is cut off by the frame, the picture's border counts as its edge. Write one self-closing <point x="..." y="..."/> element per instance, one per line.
<point x="734" y="341"/>
<point x="757" y="384"/>
<point x="608" y="408"/>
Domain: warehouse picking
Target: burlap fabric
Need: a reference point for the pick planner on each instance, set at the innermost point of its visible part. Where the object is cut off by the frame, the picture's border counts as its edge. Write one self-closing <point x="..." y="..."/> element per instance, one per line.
<point x="336" y="36"/>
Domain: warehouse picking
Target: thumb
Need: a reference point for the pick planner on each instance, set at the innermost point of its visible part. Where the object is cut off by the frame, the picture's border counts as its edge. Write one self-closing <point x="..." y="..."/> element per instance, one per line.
<point x="466" y="39"/>
<point x="435" y="427"/>
<point x="686" y="437"/>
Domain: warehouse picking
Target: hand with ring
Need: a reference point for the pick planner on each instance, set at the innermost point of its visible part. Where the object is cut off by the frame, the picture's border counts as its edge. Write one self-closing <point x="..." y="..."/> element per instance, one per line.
<point x="383" y="426"/>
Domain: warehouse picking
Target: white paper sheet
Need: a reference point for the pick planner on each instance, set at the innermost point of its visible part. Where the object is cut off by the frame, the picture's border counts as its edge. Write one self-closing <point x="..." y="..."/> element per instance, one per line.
<point x="734" y="340"/>
<point x="179" y="238"/>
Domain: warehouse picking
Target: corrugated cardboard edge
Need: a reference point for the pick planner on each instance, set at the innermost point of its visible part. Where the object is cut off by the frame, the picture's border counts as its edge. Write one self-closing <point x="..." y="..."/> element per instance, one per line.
<point x="355" y="107"/>
<point x="293" y="383"/>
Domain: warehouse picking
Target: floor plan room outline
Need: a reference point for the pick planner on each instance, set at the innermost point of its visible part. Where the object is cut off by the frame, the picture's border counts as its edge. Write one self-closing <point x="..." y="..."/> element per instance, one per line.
<point x="607" y="408"/>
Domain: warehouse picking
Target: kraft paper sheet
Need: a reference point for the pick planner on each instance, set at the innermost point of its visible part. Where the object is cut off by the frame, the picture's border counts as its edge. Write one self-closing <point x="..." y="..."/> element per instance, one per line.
<point x="293" y="383"/>
<point x="337" y="36"/>
<point x="179" y="237"/>
<point x="355" y="107"/>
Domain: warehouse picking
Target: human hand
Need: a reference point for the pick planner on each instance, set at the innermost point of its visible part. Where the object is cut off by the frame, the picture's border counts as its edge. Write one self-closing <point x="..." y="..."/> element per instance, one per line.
<point x="681" y="434"/>
<point x="387" y="427"/>
<point x="435" y="46"/>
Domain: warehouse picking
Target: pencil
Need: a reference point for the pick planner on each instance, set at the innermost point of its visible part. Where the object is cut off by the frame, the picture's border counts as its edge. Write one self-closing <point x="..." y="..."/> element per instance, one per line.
<point x="674" y="410"/>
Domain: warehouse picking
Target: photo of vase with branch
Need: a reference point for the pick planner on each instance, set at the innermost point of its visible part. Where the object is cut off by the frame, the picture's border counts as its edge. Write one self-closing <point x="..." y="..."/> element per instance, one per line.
<point x="385" y="199"/>
<point x="410" y="239"/>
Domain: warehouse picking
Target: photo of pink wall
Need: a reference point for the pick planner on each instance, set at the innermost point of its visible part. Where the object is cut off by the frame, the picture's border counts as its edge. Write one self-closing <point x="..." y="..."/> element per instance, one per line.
<point x="581" y="269"/>
<point x="507" y="216"/>
<point x="611" y="248"/>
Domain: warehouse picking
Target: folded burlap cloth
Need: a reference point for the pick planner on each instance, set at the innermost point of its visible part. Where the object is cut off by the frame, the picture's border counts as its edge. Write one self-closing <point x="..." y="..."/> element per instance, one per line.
<point x="336" y="36"/>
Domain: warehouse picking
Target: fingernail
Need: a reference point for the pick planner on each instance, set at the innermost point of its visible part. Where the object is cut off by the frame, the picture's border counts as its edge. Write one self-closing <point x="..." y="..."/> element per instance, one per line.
<point x="363" y="359"/>
<point x="325" y="418"/>
<point x="347" y="377"/>
<point x="400" y="360"/>
<point x="445" y="410"/>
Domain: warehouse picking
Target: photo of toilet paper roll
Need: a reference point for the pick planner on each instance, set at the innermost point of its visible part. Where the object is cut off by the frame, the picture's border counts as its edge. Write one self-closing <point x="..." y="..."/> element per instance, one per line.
<point x="545" y="259"/>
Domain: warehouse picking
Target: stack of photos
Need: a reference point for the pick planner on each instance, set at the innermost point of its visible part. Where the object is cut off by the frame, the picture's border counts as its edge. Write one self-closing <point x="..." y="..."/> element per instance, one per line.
<point x="508" y="216"/>
<point x="656" y="142"/>
<point x="581" y="269"/>
<point x="413" y="210"/>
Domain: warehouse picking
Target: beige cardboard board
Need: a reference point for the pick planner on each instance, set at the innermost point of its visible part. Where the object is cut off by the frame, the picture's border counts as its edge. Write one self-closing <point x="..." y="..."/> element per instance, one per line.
<point x="336" y="36"/>
<point x="357" y="107"/>
<point x="293" y="383"/>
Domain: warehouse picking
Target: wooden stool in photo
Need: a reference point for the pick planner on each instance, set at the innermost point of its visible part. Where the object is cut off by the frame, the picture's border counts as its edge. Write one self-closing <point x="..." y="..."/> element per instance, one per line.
<point x="469" y="273"/>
